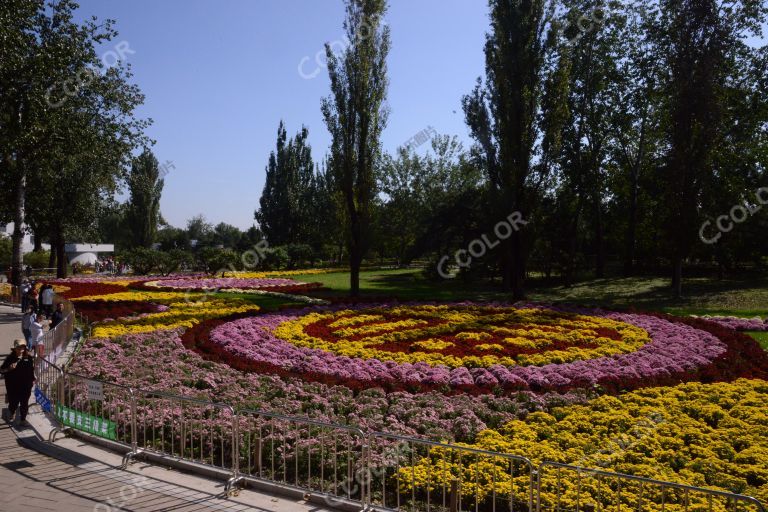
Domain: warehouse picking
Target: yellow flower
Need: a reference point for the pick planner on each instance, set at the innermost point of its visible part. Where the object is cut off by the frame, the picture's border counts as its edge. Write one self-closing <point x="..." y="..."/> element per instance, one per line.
<point x="180" y="314"/>
<point x="705" y="435"/>
<point x="360" y="333"/>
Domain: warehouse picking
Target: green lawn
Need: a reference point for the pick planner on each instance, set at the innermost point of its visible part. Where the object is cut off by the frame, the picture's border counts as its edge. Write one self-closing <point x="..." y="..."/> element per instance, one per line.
<point x="761" y="337"/>
<point x="265" y="302"/>
<point x="746" y="297"/>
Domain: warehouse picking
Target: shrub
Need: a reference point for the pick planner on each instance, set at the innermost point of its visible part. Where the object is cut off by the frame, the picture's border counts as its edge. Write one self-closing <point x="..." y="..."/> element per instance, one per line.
<point x="37" y="259"/>
<point x="275" y="258"/>
<point x="142" y="260"/>
<point x="171" y="261"/>
<point x="299" y="254"/>
<point x="215" y="260"/>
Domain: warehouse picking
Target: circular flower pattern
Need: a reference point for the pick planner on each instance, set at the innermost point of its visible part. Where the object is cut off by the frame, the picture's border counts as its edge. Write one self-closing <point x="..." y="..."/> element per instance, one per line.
<point x="468" y="346"/>
<point x="227" y="282"/>
<point x="463" y="335"/>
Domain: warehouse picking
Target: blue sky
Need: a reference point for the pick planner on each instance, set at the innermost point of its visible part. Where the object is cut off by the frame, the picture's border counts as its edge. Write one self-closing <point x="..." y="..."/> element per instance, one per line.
<point x="219" y="75"/>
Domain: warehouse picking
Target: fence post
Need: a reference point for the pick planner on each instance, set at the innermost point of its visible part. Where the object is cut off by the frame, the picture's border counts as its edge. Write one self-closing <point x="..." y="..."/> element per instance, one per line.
<point x="235" y="445"/>
<point x="454" y="501"/>
<point x="60" y="390"/>
<point x="233" y="481"/>
<point x="366" y="483"/>
<point x="134" y="435"/>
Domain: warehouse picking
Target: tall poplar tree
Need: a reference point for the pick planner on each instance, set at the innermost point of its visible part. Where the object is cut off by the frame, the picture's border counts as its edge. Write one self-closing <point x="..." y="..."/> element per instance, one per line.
<point x="503" y="118"/>
<point x="146" y="187"/>
<point x="283" y="208"/>
<point x="692" y="42"/>
<point x="356" y="114"/>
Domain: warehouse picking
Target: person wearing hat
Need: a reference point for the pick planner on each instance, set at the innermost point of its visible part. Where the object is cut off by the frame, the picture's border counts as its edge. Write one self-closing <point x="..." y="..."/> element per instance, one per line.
<point x="19" y="372"/>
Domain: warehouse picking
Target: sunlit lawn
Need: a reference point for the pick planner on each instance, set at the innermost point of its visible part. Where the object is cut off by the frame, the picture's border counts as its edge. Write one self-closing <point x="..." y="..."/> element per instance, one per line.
<point x="745" y="297"/>
<point x="761" y="337"/>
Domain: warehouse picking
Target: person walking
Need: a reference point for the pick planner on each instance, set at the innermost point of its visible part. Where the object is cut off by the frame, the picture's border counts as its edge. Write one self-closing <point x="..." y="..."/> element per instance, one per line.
<point x="36" y="332"/>
<point x="26" y="323"/>
<point x="58" y="315"/>
<point x="46" y="299"/>
<point x="19" y="372"/>
<point x="33" y="298"/>
<point x="25" y="289"/>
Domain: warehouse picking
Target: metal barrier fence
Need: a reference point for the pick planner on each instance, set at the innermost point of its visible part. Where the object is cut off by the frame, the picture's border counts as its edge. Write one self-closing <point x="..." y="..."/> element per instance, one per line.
<point x="55" y="340"/>
<point x="183" y="428"/>
<point x="566" y="488"/>
<point x="312" y="456"/>
<point x="416" y="474"/>
<point x="343" y="464"/>
<point x="93" y="406"/>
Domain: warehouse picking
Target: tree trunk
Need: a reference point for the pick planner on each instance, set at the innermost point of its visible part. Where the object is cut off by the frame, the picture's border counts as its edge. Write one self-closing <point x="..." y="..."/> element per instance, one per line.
<point x="61" y="258"/>
<point x="52" y="254"/>
<point x="354" y="271"/>
<point x="599" y="243"/>
<point x="518" y="267"/>
<point x="355" y="256"/>
<point x="573" y="244"/>
<point x="505" y="262"/>
<point x="18" y="220"/>
<point x="631" y="234"/>
<point x="677" y="276"/>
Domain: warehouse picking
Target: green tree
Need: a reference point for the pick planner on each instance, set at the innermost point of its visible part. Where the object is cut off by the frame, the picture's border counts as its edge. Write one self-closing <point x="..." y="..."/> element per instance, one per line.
<point x="68" y="144"/>
<point x="170" y="237"/>
<point x="227" y="235"/>
<point x="282" y="213"/>
<point x="145" y="186"/>
<point x="355" y="115"/>
<point x="503" y="118"/>
<point x="142" y="260"/>
<point x="701" y="45"/>
<point x="199" y="230"/>
<point x="216" y="260"/>
<point x="171" y="261"/>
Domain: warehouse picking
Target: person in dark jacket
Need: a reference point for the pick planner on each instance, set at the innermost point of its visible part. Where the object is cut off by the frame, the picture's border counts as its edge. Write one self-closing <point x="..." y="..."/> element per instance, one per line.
<point x="58" y="315"/>
<point x="19" y="372"/>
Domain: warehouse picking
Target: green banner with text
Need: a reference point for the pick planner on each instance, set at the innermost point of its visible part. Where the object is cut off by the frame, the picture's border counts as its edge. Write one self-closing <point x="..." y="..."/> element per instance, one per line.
<point x="87" y="423"/>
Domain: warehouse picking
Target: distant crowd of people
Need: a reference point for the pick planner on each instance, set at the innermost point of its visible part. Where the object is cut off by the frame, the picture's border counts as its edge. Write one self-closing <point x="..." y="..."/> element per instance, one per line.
<point x="39" y="312"/>
<point x="110" y="266"/>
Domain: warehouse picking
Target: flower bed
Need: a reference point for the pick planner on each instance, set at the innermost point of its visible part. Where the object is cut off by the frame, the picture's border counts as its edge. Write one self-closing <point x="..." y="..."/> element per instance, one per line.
<point x="705" y="435"/>
<point x="229" y="285"/>
<point x="101" y="310"/>
<point x="374" y="345"/>
<point x="739" y="324"/>
<point x="159" y="361"/>
<point x="178" y="314"/>
<point x="218" y="283"/>
<point x="540" y="381"/>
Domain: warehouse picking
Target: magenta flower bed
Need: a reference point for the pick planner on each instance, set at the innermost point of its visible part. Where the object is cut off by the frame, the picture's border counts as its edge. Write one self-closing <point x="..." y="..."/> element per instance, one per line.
<point x="739" y="324"/>
<point x="217" y="283"/>
<point x="677" y="350"/>
<point x="159" y="361"/>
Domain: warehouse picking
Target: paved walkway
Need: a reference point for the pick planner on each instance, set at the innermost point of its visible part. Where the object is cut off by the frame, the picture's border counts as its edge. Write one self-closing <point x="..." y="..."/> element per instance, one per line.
<point x="71" y="475"/>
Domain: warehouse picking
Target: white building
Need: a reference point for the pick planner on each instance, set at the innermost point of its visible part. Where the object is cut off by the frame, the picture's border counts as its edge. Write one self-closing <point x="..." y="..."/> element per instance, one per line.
<point x="86" y="254"/>
<point x="27" y="243"/>
<point x="83" y="254"/>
